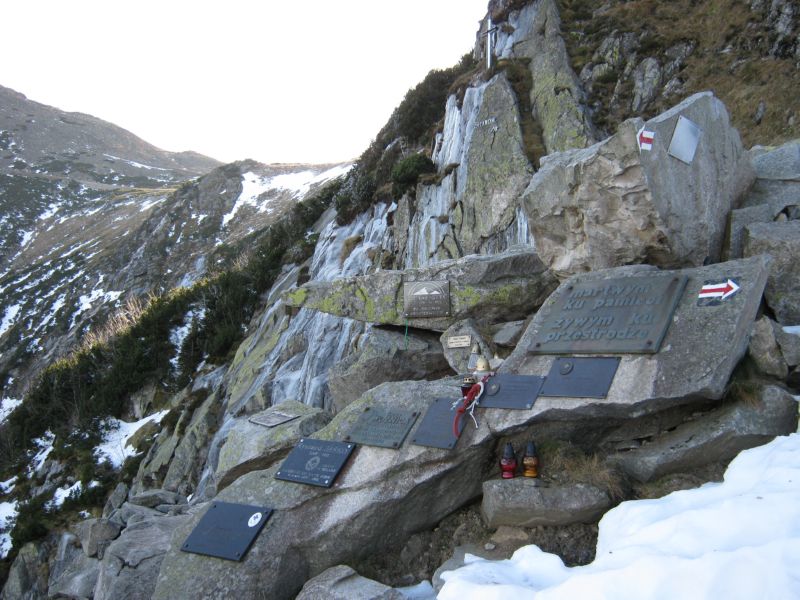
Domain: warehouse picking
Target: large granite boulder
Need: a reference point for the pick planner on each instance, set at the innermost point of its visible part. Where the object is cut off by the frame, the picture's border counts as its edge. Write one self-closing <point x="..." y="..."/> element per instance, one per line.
<point x="385" y="355"/>
<point x="28" y="575"/>
<point x="380" y="498"/>
<point x="716" y="436"/>
<point x="250" y="447"/>
<point x="494" y="288"/>
<point x="458" y="357"/>
<point x="703" y="342"/>
<point x="612" y="204"/>
<point x="764" y="349"/>
<point x="782" y="242"/>
<point x="524" y="502"/>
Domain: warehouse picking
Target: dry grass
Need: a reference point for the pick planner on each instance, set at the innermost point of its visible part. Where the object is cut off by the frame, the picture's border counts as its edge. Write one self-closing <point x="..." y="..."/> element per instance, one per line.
<point x="561" y="462"/>
<point x="349" y="245"/>
<point x="118" y="323"/>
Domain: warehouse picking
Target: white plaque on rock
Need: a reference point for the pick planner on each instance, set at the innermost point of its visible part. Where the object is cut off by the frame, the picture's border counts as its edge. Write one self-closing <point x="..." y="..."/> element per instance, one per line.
<point x="459" y="341"/>
<point x="684" y="140"/>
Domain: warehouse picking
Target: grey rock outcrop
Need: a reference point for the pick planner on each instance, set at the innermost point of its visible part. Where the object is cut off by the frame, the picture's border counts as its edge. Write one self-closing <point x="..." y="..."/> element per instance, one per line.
<point x="458" y="358"/>
<point x="132" y="561"/>
<point x="556" y="98"/>
<point x="717" y="436"/>
<point x="678" y="373"/>
<point x="524" y="502"/>
<point x="612" y="204"/>
<point x="494" y="288"/>
<point x="385" y="355"/>
<point x="789" y="343"/>
<point x="252" y="447"/>
<point x="765" y="351"/>
<point x="95" y="534"/>
<point x="378" y="500"/>
<point x="343" y="583"/>
<point x="782" y="242"/>
<point x="73" y="574"/>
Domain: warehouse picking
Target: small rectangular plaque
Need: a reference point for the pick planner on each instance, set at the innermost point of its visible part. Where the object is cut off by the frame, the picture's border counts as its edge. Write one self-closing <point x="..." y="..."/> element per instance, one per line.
<point x="459" y="341"/>
<point x="684" y="141"/>
<point x="426" y="299"/>
<point x="588" y="377"/>
<point x="381" y="426"/>
<point x="227" y="530"/>
<point x="625" y="314"/>
<point x="315" y="462"/>
<point x="272" y="418"/>
<point x="511" y="391"/>
<point x="436" y="428"/>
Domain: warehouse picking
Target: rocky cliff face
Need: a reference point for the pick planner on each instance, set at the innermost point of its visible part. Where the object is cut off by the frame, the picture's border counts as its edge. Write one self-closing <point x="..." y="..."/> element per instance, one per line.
<point x="513" y="235"/>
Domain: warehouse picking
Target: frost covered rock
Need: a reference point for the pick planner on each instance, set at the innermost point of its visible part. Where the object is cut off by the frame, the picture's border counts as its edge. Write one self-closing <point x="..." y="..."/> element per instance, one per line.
<point x="385" y="355"/>
<point x="343" y="583"/>
<point x="782" y="242"/>
<point x="612" y="204"/>
<point x="525" y="502"/>
<point x="252" y="447"/>
<point x="494" y="288"/>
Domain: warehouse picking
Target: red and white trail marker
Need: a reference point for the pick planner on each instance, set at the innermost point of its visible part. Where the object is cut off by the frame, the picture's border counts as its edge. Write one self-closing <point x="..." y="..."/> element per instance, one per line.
<point x="722" y="291"/>
<point x="645" y="139"/>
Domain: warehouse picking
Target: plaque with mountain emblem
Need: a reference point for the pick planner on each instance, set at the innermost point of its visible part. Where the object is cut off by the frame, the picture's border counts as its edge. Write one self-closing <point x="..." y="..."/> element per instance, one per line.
<point x="426" y="299"/>
<point x="511" y="391"/>
<point x="315" y="462"/>
<point x="227" y="530"/>
<point x="381" y="426"/>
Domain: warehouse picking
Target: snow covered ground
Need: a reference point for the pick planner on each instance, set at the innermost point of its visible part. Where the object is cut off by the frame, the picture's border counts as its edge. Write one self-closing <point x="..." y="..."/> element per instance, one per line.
<point x="738" y="539"/>
<point x="115" y="448"/>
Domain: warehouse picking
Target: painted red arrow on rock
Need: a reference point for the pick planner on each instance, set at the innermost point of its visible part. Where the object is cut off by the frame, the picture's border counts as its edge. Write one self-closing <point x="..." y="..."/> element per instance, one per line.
<point x="719" y="290"/>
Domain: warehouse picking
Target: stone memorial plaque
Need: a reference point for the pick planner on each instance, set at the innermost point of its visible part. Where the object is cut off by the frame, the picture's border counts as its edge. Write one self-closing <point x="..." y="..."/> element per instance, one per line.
<point x="381" y="426"/>
<point x="227" y="530"/>
<point x="511" y="391"/>
<point x="588" y="377"/>
<point x="426" y="299"/>
<point x="436" y="428"/>
<point x="684" y="140"/>
<point x="315" y="462"/>
<point x="459" y="341"/>
<point x="626" y="314"/>
<point x="272" y="419"/>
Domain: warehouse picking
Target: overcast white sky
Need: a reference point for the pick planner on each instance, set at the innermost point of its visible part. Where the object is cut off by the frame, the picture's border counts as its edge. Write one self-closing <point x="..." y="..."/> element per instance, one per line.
<point x="277" y="81"/>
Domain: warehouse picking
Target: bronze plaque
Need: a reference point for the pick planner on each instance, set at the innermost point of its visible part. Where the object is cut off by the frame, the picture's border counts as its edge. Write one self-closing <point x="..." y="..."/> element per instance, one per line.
<point x="626" y="314"/>
<point x="381" y="426"/>
<point x="426" y="299"/>
<point x="315" y="462"/>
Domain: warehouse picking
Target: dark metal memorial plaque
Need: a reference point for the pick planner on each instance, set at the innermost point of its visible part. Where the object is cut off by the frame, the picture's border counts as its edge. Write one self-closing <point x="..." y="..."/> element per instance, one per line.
<point x="272" y="419"/>
<point x="436" y="428"/>
<point x="227" y="530"/>
<point x="588" y="377"/>
<point x="511" y="391"/>
<point x="626" y="314"/>
<point x="315" y="462"/>
<point x="381" y="426"/>
<point x="426" y="299"/>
